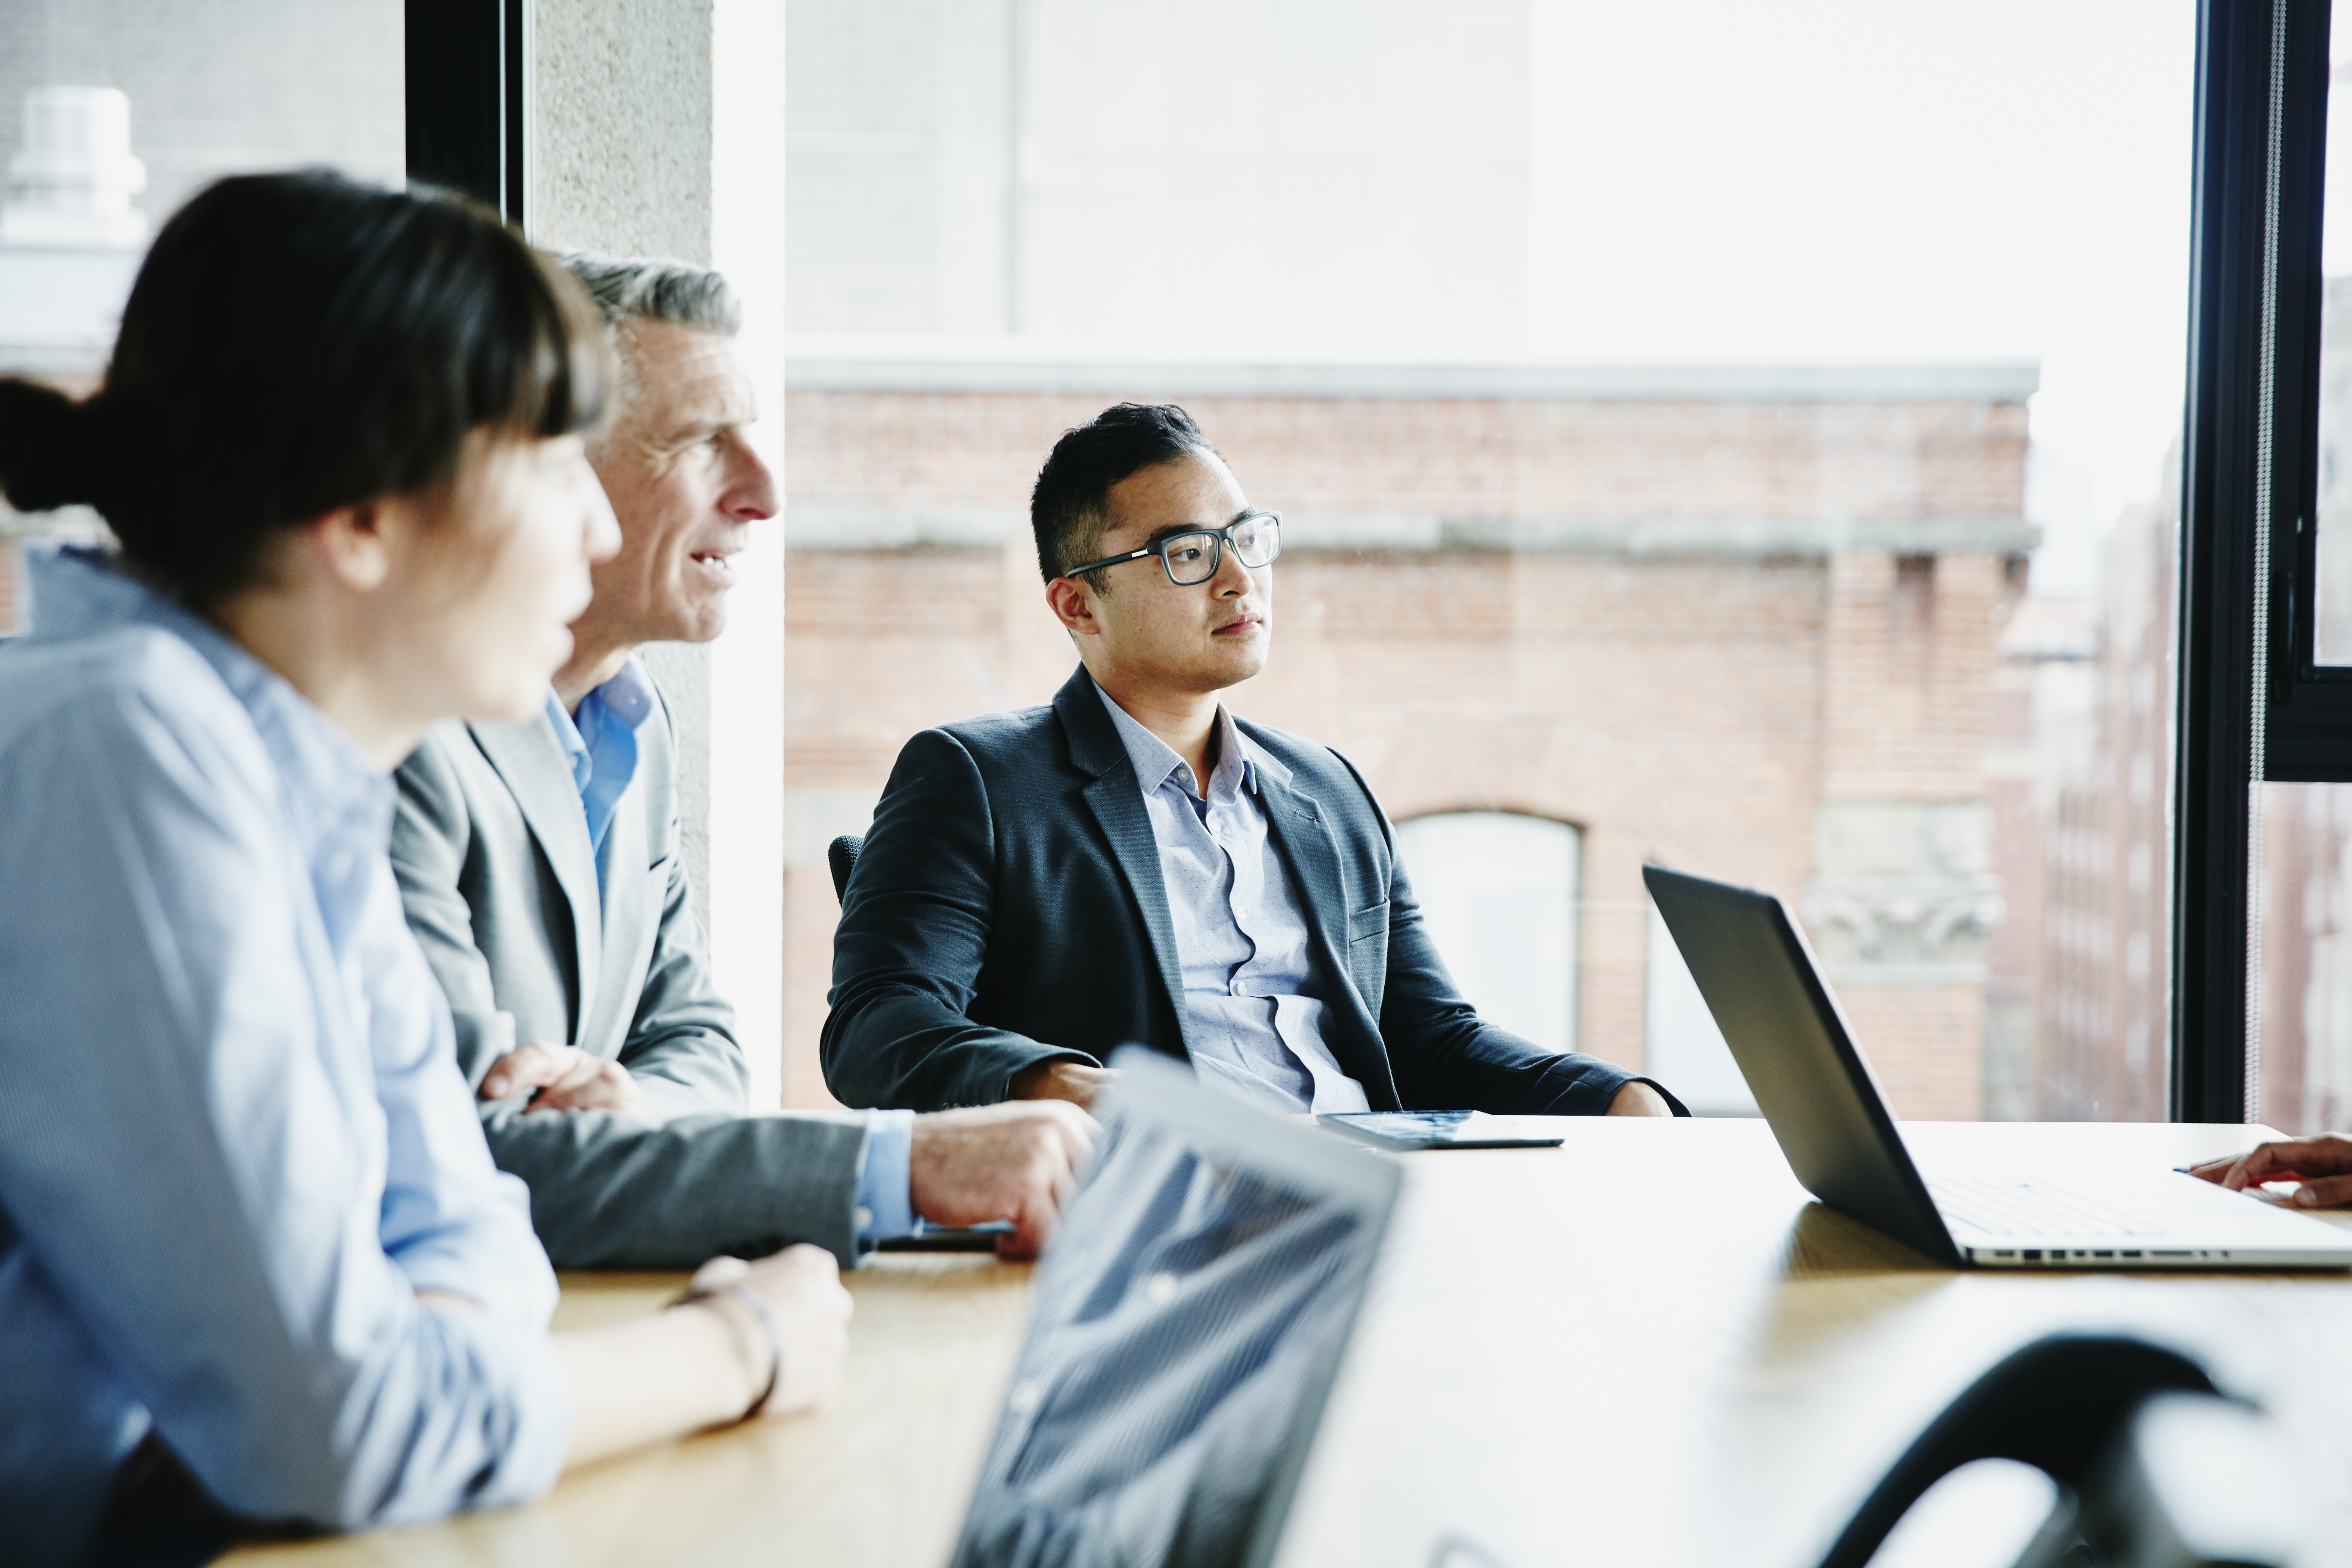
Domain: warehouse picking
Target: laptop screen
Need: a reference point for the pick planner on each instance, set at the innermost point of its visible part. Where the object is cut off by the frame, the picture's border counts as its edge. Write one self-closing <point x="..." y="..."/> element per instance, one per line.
<point x="1189" y="1316"/>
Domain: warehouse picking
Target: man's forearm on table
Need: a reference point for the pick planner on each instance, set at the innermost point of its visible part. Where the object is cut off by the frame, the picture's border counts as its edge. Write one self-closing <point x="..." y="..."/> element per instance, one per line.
<point x="618" y="1192"/>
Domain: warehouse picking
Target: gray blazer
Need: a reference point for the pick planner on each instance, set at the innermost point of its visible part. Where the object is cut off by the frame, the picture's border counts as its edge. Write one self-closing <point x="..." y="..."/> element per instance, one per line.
<point x="491" y="848"/>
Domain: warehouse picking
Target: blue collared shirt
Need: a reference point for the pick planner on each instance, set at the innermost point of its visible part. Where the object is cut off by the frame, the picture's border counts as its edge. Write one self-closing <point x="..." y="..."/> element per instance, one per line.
<point x="600" y="740"/>
<point x="601" y="743"/>
<point x="1241" y="938"/>
<point x="234" y="1139"/>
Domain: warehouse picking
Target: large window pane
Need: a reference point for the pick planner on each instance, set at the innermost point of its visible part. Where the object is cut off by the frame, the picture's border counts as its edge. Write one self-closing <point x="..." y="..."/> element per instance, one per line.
<point x="1657" y="454"/>
<point x="2303" y="1071"/>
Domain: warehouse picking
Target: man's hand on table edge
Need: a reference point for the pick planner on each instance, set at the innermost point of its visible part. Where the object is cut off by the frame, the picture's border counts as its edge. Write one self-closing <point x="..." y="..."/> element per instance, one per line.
<point x="1638" y="1098"/>
<point x="2322" y="1164"/>
<point x="1073" y="1081"/>
<point x="1018" y="1161"/>
<point x="567" y="1079"/>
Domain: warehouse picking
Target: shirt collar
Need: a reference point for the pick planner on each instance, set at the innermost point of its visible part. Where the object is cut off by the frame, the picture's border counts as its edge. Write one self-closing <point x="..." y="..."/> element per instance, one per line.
<point x="628" y="696"/>
<point x="567" y="733"/>
<point x="1155" y="760"/>
<point x="329" y="784"/>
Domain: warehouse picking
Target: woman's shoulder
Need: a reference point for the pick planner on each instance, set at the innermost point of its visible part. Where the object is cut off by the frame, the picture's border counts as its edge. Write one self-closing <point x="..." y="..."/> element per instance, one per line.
<point x="135" y="686"/>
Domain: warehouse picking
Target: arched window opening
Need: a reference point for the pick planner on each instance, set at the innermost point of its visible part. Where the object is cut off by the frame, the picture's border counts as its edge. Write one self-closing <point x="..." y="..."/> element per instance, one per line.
<point x="1499" y="892"/>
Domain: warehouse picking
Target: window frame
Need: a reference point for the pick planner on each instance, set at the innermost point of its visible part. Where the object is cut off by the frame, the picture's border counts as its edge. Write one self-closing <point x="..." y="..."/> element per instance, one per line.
<point x="468" y="81"/>
<point x="2251" y="704"/>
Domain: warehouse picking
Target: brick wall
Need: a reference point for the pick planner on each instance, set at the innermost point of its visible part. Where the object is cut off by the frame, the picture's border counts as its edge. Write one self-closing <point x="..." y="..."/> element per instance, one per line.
<point x="1456" y="458"/>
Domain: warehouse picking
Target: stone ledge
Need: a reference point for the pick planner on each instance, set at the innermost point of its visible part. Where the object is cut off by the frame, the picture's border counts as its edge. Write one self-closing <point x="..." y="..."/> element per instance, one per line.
<point x="822" y="526"/>
<point x="983" y="365"/>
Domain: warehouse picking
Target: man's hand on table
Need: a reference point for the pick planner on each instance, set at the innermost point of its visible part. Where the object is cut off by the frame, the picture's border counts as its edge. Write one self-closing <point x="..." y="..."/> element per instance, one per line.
<point x="1638" y="1098"/>
<point x="1016" y="1161"/>
<point x="567" y="1079"/>
<point x="1073" y="1081"/>
<point x="2322" y="1163"/>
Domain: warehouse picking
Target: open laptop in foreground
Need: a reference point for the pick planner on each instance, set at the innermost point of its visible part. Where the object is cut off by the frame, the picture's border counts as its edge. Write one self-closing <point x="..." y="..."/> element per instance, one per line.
<point x="1816" y="1090"/>
<point x="1190" y="1314"/>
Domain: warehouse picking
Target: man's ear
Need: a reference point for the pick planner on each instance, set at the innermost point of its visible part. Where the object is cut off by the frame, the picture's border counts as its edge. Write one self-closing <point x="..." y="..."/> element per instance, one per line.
<point x="349" y="543"/>
<point x="1073" y="604"/>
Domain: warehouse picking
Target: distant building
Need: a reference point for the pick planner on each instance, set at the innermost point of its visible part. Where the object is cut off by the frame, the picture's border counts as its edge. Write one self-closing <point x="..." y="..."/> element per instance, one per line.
<point x="2306" y="1036"/>
<point x="2079" y="1021"/>
<point x="1743" y="622"/>
<point x="1310" y="170"/>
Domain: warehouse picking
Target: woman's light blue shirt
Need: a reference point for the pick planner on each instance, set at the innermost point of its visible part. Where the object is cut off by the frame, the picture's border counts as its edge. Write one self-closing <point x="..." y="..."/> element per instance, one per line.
<point x="234" y="1140"/>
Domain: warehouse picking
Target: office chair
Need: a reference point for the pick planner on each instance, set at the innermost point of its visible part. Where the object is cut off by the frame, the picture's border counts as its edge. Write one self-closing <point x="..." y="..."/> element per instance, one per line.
<point x="842" y="855"/>
<point x="2155" y="1467"/>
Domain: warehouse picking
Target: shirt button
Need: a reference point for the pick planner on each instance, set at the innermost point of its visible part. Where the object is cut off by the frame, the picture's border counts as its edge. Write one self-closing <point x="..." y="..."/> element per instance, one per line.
<point x="1025" y="1396"/>
<point x="1161" y="1288"/>
<point x="865" y="1217"/>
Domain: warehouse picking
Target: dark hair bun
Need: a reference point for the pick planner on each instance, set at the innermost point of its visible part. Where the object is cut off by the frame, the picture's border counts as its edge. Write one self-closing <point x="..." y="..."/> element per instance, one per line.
<point x="48" y="455"/>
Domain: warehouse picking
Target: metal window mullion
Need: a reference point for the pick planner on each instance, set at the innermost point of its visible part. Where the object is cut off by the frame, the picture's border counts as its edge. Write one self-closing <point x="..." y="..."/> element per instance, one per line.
<point x="2264" y="455"/>
<point x="2215" y="777"/>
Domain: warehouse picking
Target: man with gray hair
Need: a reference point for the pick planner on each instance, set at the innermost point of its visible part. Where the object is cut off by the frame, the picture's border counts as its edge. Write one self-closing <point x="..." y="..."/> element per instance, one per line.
<point x="541" y="868"/>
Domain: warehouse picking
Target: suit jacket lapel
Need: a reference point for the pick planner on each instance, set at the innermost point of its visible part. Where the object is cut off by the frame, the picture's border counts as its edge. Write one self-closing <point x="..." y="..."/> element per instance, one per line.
<point x="1119" y="805"/>
<point x="1295" y="821"/>
<point x="531" y="760"/>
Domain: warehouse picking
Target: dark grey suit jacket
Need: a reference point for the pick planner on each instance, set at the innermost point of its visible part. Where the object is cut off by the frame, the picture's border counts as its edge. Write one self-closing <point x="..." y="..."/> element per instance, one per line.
<point x="1007" y="909"/>
<point x="491" y="848"/>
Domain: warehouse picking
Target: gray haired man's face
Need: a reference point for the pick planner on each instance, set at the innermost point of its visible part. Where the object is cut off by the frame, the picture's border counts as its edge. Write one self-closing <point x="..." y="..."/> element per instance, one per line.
<point x="685" y="485"/>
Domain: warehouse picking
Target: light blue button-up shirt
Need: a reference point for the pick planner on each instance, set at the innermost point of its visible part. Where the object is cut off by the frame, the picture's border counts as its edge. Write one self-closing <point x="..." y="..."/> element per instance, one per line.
<point x="234" y="1139"/>
<point x="1241" y="934"/>
<point x="601" y="742"/>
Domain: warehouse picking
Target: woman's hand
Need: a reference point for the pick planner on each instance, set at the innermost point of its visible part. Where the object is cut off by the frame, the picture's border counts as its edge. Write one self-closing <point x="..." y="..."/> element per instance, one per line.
<point x="2322" y="1163"/>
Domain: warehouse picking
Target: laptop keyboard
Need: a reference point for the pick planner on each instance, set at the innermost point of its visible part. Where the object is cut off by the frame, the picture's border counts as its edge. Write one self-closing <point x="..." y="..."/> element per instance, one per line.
<point x="1999" y="1207"/>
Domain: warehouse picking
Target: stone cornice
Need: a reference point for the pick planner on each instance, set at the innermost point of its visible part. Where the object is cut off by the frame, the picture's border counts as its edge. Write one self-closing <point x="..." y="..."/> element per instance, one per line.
<point x="936" y="364"/>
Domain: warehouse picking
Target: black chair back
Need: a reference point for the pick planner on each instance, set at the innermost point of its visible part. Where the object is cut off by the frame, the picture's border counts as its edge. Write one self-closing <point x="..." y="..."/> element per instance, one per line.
<point x="2078" y="1407"/>
<point x="842" y="855"/>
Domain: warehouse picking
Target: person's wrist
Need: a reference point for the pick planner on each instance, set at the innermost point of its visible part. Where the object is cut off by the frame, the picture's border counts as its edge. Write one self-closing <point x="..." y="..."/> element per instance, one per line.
<point x="1024" y="1083"/>
<point x="750" y="1321"/>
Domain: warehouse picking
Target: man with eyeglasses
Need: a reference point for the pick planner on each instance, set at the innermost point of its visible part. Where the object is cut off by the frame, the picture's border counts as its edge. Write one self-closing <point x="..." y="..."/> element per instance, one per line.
<point x="1134" y="864"/>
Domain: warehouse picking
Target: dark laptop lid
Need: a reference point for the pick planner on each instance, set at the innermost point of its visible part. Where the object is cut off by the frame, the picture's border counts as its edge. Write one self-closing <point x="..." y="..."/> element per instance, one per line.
<point x="1757" y="975"/>
<point x="1190" y="1317"/>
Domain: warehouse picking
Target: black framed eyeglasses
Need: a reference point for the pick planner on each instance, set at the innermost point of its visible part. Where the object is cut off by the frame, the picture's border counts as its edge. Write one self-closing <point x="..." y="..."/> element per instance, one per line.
<point x="1193" y="556"/>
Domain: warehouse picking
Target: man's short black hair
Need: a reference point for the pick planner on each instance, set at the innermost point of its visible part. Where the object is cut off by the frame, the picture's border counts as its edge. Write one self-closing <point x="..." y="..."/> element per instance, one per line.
<point x="1069" y="509"/>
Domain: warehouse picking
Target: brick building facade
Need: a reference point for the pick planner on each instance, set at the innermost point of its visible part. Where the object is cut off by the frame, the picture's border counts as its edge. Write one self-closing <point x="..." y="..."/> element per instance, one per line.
<point x="1745" y="622"/>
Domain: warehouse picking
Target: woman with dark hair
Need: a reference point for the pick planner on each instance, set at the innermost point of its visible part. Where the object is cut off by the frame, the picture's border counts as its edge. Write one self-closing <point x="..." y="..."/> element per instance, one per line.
<point x="255" y="1266"/>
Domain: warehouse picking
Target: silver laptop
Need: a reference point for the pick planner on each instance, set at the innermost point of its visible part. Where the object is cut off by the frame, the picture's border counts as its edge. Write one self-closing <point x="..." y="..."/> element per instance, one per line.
<point x="1190" y="1314"/>
<point x="1815" y="1087"/>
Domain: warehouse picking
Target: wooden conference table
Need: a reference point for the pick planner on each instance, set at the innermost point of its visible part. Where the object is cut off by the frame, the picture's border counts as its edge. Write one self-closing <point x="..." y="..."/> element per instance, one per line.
<point x="1647" y="1347"/>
